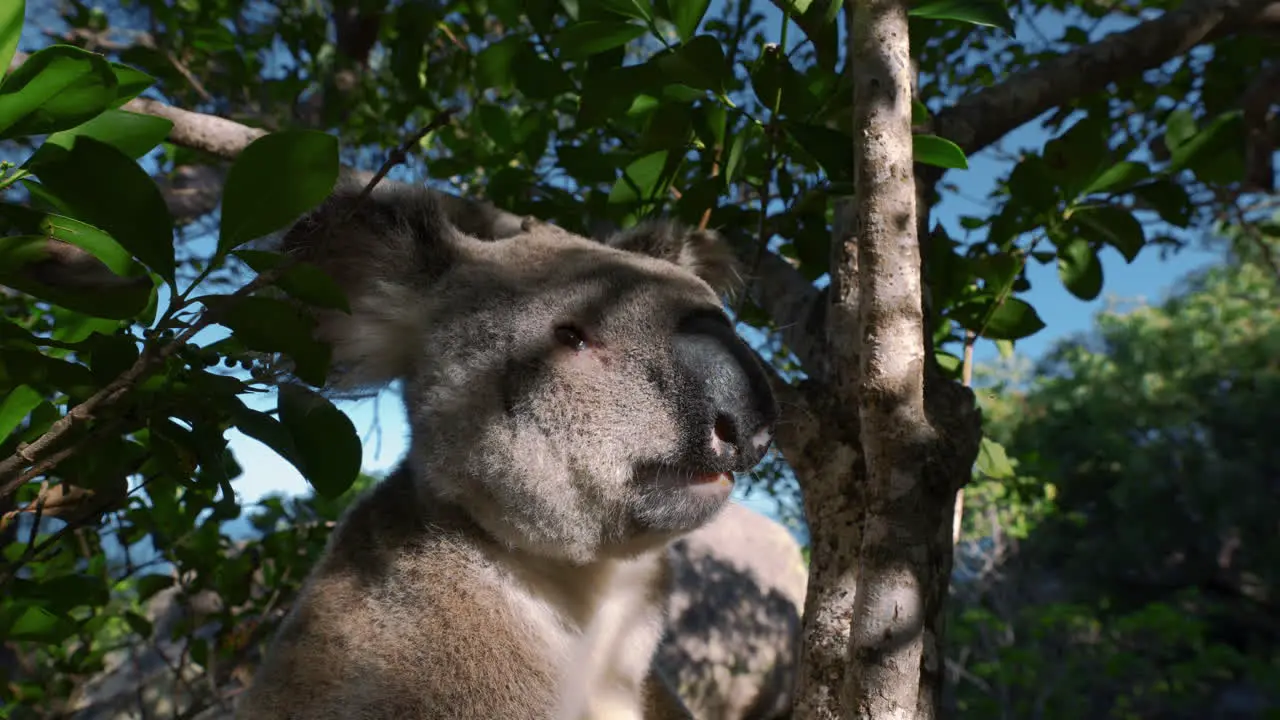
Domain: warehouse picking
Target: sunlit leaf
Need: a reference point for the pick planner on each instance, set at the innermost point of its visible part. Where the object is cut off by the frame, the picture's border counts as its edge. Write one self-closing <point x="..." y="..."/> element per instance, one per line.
<point x="130" y="133"/>
<point x="57" y="88"/>
<point x="686" y="15"/>
<point x="24" y="260"/>
<point x="15" y="407"/>
<point x="940" y="152"/>
<point x="991" y="13"/>
<point x="640" y="180"/>
<point x="255" y="202"/>
<point x="11" y="31"/>
<point x="993" y="461"/>
<point x="1118" y="178"/>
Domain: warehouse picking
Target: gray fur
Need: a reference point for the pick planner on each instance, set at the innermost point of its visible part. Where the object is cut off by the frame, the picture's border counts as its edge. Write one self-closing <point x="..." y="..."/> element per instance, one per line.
<point x="526" y="532"/>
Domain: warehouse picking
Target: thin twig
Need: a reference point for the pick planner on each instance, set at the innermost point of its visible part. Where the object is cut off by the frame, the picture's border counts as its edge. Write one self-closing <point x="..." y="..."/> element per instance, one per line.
<point x="401" y="153"/>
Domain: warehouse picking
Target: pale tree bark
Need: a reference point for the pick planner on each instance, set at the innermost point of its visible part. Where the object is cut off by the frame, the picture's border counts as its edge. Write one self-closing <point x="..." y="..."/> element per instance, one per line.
<point x="887" y="639"/>
<point x="896" y="439"/>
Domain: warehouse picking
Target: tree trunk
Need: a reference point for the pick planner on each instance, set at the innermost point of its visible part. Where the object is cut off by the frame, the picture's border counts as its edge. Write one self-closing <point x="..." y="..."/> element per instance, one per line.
<point x="891" y="439"/>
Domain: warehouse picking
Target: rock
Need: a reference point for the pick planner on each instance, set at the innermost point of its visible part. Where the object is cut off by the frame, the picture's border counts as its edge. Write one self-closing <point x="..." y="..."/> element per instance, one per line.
<point x="733" y="636"/>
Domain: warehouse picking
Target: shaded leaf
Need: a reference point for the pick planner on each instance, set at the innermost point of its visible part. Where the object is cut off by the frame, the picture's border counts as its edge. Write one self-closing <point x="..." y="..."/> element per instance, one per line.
<point x="587" y="38"/>
<point x="1112" y="225"/>
<point x="1079" y="268"/>
<point x="1179" y="128"/>
<point x="57" y="88"/>
<point x="22" y="267"/>
<point x="831" y="149"/>
<point x="940" y="152"/>
<point x="255" y="202"/>
<point x="1012" y="319"/>
<point x="325" y="439"/>
<point x="699" y="63"/>
<point x="118" y="196"/>
<point x="302" y="280"/>
<point x="270" y="325"/>
<point x="496" y="63"/>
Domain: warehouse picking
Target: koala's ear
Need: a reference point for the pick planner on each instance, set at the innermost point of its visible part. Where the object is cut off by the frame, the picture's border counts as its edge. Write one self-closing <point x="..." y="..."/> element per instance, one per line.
<point x="384" y="250"/>
<point x="704" y="253"/>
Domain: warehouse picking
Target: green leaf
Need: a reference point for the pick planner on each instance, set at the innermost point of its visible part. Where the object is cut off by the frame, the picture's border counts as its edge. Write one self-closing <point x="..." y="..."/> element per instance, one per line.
<point x="104" y="294"/>
<point x="699" y="63"/>
<point x="1215" y="153"/>
<point x="69" y="230"/>
<point x="1169" y="199"/>
<point x="496" y="63"/>
<point x="130" y="82"/>
<point x="640" y="180"/>
<point x="639" y="9"/>
<point x="1114" y="226"/>
<point x="940" y="152"/>
<point x="255" y="202"/>
<point x="687" y="15"/>
<point x="57" y="88"/>
<point x="20" y="401"/>
<point x="1012" y="319"/>
<point x="991" y="13"/>
<point x="106" y="188"/>
<point x="271" y="325"/>
<point x="1179" y="128"/>
<point x="268" y="431"/>
<point x="39" y="625"/>
<point x="149" y="585"/>
<point x="325" y="439"/>
<point x="919" y="112"/>
<point x="302" y="280"/>
<point x="584" y="39"/>
<point x="1079" y="268"/>
<point x="831" y="149"/>
<point x="993" y="461"/>
<point x="780" y="86"/>
<point x="10" y="31"/>
<point x="131" y="133"/>
<point x="1118" y="178"/>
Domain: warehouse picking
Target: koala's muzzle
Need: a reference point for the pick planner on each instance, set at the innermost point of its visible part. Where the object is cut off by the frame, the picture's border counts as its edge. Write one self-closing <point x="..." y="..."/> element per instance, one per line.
<point x="729" y="409"/>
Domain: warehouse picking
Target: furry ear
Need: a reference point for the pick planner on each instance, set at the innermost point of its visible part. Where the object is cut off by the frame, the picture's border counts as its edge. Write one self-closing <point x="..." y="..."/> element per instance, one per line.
<point x="704" y="253"/>
<point x="383" y="250"/>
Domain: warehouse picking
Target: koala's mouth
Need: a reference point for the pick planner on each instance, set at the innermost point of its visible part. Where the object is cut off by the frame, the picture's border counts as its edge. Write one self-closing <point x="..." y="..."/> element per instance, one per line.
<point x="684" y="477"/>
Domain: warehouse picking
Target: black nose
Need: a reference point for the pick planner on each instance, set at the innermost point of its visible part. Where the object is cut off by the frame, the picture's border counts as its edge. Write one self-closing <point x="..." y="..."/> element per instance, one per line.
<point x="730" y="409"/>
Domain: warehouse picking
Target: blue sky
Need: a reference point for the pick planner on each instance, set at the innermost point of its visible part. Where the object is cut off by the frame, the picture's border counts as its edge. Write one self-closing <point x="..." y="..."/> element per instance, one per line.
<point x="381" y="420"/>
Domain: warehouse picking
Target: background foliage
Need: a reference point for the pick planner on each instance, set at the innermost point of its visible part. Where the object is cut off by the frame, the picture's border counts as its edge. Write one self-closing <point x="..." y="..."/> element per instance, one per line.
<point x="1120" y="545"/>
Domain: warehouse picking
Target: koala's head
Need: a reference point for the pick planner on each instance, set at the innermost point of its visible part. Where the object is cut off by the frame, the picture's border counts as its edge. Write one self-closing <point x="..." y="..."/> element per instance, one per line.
<point x="577" y="399"/>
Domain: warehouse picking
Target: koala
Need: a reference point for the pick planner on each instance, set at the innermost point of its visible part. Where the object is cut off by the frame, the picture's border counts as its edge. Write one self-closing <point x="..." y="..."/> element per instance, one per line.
<point x="574" y="406"/>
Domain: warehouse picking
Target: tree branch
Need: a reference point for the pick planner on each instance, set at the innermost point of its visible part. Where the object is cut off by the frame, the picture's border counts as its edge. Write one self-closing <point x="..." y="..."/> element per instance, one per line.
<point x="988" y="115"/>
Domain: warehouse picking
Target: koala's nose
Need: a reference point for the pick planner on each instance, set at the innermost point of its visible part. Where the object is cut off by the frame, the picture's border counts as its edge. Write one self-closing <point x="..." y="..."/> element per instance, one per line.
<point x="737" y="410"/>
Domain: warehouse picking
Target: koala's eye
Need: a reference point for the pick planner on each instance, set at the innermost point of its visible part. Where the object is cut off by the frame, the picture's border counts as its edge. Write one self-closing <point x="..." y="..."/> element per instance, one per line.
<point x="570" y="337"/>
